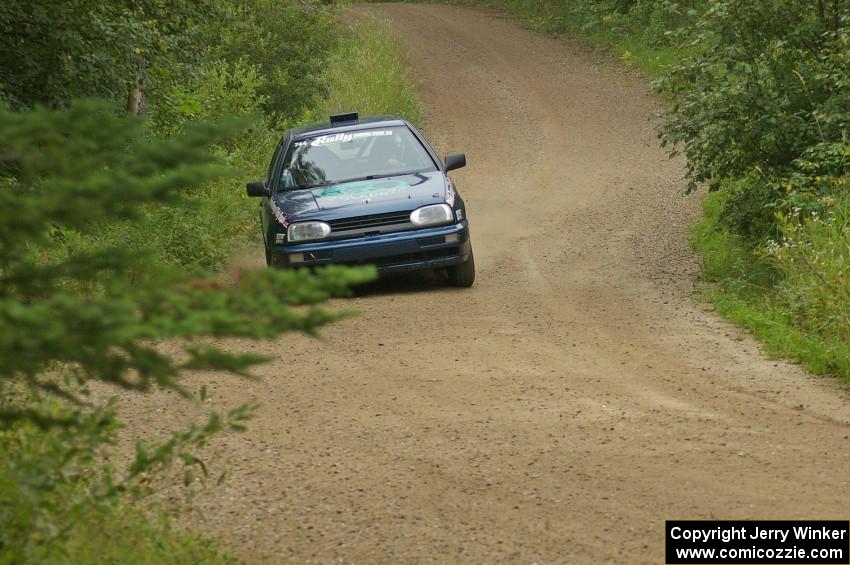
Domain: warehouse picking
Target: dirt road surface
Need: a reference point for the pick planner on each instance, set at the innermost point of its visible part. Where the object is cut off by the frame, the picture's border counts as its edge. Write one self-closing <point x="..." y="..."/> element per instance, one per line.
<point x="564" y="407"/>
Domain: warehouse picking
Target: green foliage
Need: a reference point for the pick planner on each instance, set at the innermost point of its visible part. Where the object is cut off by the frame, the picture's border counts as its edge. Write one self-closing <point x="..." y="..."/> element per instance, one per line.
<point x="188" y="58"/>
<point x="814" y="256"/>
<point x="196" y="61"/>
<point x="646" y="33"/>
<point x="221" y="89"/>
<point x="772" y="294"/>
<point x="111" y="223"/>
<point x="366" y="73"/>
<point x="760" y="110"/>
<point x="67" y="175"/>
<point x="750" y="208"/>
<point x="764" y="99"/>
<point x="288" y="43"/>
<point x="53" y="508"/>
<point x="726" y="257"/>
<point x="97" y="313"/>
<point x="52" y="52"/>
<point x="651" y="21"/>
<point x="132" y="538"/>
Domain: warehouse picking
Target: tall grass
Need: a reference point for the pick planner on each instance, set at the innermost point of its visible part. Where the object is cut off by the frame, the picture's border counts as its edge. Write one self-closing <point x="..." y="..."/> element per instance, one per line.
<point x="367" y="74"/>
<point x="132" y="538"/>
<point x="793" y="299"/>
<point x="814" y="256"/>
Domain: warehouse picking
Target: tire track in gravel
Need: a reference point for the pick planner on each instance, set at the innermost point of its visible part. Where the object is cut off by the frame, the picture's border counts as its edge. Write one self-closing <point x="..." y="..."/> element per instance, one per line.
<point x="564" y="407"/>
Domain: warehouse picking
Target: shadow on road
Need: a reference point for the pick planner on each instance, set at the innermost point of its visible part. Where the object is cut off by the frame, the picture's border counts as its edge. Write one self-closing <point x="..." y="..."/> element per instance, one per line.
<point x="248" y="258"/>
<point x="404" y="283"/>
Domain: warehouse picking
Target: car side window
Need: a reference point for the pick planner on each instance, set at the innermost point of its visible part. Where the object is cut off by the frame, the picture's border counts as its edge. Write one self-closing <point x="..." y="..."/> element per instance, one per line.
<point x="269" y="181"/>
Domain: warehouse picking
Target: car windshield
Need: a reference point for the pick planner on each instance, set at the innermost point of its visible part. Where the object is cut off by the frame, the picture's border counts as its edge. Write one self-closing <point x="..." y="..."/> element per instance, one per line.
<point x="353" y="155"/>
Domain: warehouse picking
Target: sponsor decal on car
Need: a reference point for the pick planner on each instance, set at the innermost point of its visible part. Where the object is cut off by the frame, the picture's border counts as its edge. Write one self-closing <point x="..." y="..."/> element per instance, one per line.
<point x="361" y="189"/>
<point x="278" y="214"/>
<point x="343" y="137"/>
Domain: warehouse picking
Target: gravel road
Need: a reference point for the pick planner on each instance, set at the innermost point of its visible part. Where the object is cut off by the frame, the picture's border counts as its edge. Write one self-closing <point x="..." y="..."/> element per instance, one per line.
<point x="564" y="407"/>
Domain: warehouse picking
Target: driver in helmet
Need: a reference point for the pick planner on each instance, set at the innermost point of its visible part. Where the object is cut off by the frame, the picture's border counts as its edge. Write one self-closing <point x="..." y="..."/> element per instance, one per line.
<point x="391" y="152"/>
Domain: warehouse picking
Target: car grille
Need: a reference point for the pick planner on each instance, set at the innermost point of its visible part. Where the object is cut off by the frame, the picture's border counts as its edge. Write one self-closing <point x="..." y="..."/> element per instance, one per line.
<point x="398" y="260"/>
<point x="371" y="221"/>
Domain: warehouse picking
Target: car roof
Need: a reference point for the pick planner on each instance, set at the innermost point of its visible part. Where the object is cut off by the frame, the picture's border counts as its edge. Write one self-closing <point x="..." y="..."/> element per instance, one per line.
<point x="362" y="123"/>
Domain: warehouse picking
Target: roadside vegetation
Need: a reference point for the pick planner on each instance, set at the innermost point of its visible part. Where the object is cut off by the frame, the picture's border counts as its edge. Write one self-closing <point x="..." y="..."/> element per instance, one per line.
<point x="761" y="112"/>
<point x="128" y="132"/>
<point x="641" y="32"/>
<point x="366" y="73"/>
<point x="756" y="99"/>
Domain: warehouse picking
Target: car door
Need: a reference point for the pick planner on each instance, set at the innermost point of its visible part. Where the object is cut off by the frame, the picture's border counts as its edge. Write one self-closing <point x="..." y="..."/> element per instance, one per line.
<point x="265" y="203"/>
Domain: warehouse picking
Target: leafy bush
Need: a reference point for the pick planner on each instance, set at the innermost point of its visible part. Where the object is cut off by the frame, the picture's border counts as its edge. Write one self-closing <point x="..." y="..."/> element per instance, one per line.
<point x="750" y="206"/>
<point x="51" y="53"/>
<point x="759" y="108"/>
<point x="57" y="506"/>
<point x="221" y="89"/>
<point x="763" y="99"/>
<point x="726" y="257"/>
<point x="288" y="43"/>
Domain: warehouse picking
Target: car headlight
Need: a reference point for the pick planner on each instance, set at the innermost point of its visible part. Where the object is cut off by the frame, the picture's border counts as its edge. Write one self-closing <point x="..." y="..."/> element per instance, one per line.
<point x="303" y="231"/>
<point x="432" y="215"/>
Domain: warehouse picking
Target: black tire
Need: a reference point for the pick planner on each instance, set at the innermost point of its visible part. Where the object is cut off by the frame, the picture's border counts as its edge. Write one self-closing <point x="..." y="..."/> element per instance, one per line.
<point x="268" y="256"/>
<point x="463" y="275"/>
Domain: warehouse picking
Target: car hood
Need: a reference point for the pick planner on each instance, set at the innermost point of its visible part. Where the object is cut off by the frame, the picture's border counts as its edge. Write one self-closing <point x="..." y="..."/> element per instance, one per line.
<point x="359" y="198"/>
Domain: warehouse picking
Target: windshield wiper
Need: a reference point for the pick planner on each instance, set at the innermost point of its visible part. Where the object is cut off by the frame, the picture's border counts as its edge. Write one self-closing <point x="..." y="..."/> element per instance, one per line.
<point x="355" y="179"/>
<point x="383" y="176"/>
<point x="367" y="177"/>
<point x="317" y="185"/>
<point x="332" y="182"/>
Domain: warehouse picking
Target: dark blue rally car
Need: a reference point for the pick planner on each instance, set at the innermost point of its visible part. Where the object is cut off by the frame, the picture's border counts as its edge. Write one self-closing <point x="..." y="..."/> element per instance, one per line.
<point x="364" y="191"/>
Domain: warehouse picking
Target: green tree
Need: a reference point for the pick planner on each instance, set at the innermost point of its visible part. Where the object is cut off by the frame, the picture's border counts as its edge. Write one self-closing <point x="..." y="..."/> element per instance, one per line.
<point x="52" y="52"/>
<point x="289" y="42"/>
<point x="96" y="313"/>
<point x="760" y="108"/>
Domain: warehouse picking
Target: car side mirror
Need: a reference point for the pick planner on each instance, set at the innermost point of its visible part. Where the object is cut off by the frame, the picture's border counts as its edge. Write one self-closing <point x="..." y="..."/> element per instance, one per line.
<point x="455" y="161"/>
<point x="258" y="188"/>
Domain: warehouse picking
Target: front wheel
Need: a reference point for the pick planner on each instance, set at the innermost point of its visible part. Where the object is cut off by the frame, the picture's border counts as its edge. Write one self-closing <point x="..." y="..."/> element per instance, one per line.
<point x="463" y="275"/>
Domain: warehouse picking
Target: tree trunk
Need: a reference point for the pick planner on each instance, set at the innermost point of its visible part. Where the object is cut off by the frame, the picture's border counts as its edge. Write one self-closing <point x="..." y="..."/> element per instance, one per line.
<point x="136" y="95"/>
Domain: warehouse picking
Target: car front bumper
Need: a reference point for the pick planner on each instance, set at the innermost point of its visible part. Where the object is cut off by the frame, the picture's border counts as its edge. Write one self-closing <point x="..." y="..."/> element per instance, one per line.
<point x="428" y="248"/>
